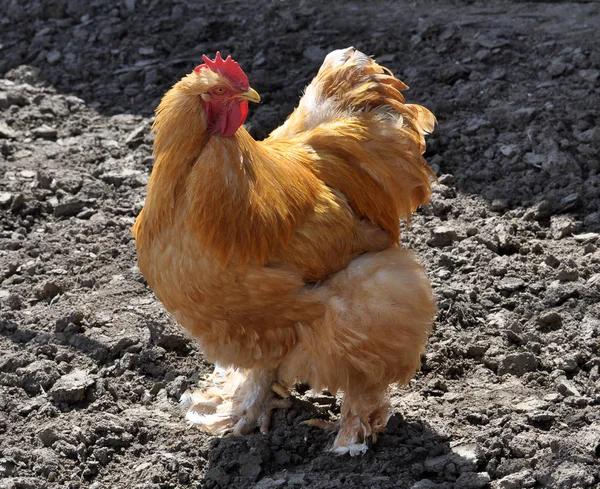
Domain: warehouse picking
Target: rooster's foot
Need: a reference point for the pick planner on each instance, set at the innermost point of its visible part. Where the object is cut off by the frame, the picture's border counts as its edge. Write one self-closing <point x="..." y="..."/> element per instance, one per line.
<point x="234" y="402"/>
<point x="360" y="424"/>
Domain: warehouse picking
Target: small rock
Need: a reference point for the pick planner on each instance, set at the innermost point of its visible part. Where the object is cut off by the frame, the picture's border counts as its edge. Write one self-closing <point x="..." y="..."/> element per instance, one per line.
<point x="591" y="76"/>
<point x="510" y="284"/>
<point x="6" y="132"/>
<point x="476" y="351"/>
<point x="517" y="364"/>
<point x="13" y="301"/>
<point x="534" y="159"/>
<point x="44" y="181"/>
<point x="177" y="387"/>
<point x="467" y="456"/>
<point x="473" y="480"/>
<point x="71" y="388"/>
<point x="531" y="405"/>
<point x="136" y="137"/>
<point x="45" y="132"/>
<point x="499" y="205"/>
<point x="567" y="388"/>
<point x="541" y="418"/>
<point x="169" y="337"/>
<point x="509" y="150"/>
<point x="47" y="290"/>
<point x="446" y="179"/>
<point x="568" y="275"/>
<point x="590" y="136"/>
<point x="548" y="318"/>
<point x="553" y="397"/>
<point x="53" y="56"/>
<point x="592" y="219"/>
<point x="270" y="483"/>
<point x="48" y="435"/>
<point x="557" y="67"/>
<point x="101" y="455"/>
<point x="552" y="261"/>
<point x="516" y="480"/>
<point x="442" y="236"/>
<point x="68" y="208"/>
<point x="561" y="226"/>
<point x="5" y="199"/>
<point x="425" y="484"/>
<point x="586" y="237"/>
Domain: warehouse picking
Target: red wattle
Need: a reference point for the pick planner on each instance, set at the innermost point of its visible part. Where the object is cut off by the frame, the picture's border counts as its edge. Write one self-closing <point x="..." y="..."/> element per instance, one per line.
<point x="226" y="121"/>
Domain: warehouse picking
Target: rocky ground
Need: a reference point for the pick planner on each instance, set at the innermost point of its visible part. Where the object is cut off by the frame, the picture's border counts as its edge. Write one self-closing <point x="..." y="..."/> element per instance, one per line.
<point x="91" y="366"/>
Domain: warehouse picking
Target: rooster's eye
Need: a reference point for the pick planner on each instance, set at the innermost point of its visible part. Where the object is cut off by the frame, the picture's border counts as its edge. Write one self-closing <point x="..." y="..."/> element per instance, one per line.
<point x="219" y="91"/>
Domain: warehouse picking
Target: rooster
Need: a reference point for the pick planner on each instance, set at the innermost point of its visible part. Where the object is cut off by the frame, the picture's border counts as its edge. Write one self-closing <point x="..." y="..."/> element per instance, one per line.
<point x="281" y="257"/>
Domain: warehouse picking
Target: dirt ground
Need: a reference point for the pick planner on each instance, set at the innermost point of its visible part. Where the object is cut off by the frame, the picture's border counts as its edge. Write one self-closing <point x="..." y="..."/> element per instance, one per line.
<point x="91" y="366"/>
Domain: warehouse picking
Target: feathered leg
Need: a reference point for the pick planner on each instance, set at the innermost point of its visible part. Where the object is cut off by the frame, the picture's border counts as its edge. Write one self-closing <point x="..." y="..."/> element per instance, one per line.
<point x="363" y="416"/>
<point x="234" y="401"/>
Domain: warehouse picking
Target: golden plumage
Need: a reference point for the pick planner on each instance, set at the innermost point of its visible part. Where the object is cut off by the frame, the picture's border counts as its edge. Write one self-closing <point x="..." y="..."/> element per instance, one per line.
<point x="280" y="256"/>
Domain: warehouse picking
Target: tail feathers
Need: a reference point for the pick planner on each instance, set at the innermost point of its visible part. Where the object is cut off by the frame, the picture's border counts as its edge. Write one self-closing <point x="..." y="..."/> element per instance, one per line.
<point x="368" y="143"/>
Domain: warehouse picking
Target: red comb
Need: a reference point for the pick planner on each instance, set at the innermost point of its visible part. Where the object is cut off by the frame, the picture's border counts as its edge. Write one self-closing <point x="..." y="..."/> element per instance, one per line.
<point x="226" y="67"/>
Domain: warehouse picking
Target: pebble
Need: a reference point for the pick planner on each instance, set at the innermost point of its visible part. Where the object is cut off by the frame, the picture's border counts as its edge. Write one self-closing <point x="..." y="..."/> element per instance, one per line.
<point x="5" y="199"/>
<point x="6" y="132"/>
<point x="548" y="318"/>
<point x="47" y="290"/>
<point x="592" y="219"/>
<point x="473" y="480"/>
<point x="586" y="237"/>
<point x="465" y="457"/>
<point x="510" y="284"/>
<point x="442" y="236"/>
<point x="69" y="208"/>
<point x="446" y="179"/>
<point x="541" y="418"/>
<point x="516" y="480"/>
<point x="136" y="137"/>
<point x="517" y="364"/>
<point x="71" y="388"/>
<point x="45" y="132"/>
<point x="13" y="301"/>
<point x="169" y="337"/>
<point x="499" y="205"/>
<point x="566" y="387"/>
<point x="561" y="226"/>
<point x="425" y="484"/>
<point x="53" y="56"/>
<point x="568" y="275"/>
<point x="552" y="261"/>
<point x="553" y="397"/>
<point x="48" y="435"/>
<point x="590" y="136"/>
<point x="557" y="68"/>
<point x="531" y="405"/>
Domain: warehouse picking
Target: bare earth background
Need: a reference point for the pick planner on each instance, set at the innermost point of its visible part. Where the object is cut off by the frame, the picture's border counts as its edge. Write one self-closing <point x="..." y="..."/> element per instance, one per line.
<point x="91" y="366"/>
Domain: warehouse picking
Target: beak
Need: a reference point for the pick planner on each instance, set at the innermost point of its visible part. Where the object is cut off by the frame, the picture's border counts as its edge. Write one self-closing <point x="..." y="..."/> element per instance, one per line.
<point x="251" y="95"/>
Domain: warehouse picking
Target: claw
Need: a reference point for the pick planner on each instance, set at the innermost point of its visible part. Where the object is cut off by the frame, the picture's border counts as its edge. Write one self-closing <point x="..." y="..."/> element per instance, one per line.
<point x="323" y="424"/>
<point x="280" y="390"/>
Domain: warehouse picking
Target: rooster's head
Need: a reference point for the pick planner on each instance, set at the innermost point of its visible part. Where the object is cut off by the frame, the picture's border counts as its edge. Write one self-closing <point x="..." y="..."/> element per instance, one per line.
<point x="225" y="92"/>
